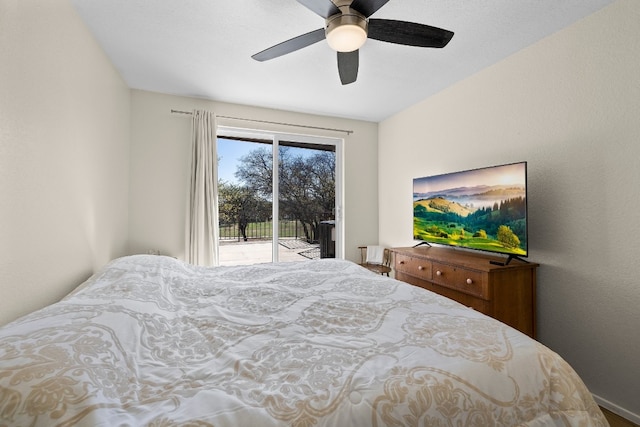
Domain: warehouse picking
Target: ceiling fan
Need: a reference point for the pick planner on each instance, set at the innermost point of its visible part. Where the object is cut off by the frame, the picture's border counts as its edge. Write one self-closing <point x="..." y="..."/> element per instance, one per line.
<point x="347" y="27"/>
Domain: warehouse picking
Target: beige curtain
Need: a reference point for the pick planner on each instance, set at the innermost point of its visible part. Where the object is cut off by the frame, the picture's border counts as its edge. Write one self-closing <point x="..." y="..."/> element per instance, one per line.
<point x="202" y="204"/>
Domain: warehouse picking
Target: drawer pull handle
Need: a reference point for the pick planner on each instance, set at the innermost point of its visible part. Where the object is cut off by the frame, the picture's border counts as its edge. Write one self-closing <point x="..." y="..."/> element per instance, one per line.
<point x="420" y="267"/>
<point x="401" y="262"/>
<point x="438" y="273"/>
<point x="469" y="281"/>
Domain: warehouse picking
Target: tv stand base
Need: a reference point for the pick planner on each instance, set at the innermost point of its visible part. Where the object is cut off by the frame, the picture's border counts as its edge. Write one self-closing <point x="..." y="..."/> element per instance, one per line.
<point x="422" y="243"/>
<point x="509" y="258"/>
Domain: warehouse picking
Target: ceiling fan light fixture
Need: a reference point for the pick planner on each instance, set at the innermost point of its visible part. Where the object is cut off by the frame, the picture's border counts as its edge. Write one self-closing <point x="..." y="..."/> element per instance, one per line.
<point x="346" y="32"/>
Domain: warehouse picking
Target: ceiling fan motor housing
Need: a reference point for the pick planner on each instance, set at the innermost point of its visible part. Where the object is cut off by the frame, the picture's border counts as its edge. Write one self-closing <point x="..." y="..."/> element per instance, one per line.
<point x="346" y="31"/>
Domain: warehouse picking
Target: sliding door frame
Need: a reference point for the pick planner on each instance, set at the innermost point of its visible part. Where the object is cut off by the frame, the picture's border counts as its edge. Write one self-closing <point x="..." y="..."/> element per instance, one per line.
<point x="275" y="138"/>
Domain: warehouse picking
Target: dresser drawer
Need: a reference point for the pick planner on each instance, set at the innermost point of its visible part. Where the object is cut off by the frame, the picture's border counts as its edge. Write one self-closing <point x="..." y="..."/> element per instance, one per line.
<point x="460" y="279"/>
<point x="417" y="267"/>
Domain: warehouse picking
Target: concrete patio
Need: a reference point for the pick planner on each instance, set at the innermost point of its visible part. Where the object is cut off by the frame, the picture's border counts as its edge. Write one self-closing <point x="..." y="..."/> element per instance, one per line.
<point x="259" y="251"/>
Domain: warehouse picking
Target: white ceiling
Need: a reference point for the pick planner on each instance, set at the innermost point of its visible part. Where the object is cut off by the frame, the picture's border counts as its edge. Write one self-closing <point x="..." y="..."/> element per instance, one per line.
<point x="203" y="48"/>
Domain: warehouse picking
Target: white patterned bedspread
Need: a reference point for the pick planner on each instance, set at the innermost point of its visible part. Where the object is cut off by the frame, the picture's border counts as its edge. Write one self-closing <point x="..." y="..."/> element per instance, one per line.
<point x="152" y="341"/>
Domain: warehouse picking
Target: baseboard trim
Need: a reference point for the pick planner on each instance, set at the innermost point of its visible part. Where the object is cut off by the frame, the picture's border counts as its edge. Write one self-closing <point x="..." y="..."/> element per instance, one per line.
<point x="634" y="418"/>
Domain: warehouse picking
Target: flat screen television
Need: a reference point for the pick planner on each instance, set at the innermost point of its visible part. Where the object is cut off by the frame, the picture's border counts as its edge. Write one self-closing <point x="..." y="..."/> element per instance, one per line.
<point x="483" y="209"/>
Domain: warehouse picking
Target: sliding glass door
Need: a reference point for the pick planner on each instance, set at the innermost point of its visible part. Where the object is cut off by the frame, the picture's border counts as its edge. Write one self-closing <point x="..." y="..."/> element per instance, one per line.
<point x="306" y="200"/>
<point x="285" y="213"/>
<point x="245" y="203"/>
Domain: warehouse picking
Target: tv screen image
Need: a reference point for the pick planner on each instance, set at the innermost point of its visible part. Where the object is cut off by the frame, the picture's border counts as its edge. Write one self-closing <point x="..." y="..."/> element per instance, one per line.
<point x="483" y="209"/>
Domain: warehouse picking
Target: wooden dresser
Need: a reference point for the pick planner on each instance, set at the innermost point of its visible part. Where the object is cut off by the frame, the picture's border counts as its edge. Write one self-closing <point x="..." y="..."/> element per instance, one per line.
<point x="506" y="293"/>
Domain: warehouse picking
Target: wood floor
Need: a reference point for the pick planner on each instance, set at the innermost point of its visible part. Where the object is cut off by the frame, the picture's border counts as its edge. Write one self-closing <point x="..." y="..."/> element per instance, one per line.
<point x="617" y="420"/>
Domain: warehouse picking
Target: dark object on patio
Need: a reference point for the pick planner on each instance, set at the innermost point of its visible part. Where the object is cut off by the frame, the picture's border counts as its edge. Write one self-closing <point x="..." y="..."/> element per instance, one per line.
<point x="326" y="236"/>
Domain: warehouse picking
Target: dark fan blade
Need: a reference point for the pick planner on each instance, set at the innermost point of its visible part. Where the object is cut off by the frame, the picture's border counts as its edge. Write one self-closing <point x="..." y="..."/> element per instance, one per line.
<point x="324" y="8"/>
<point x="368" y="7"/>
<point x="290" y="45"/>
<point x="408" y="33"/>
<point x="348" y="66"/>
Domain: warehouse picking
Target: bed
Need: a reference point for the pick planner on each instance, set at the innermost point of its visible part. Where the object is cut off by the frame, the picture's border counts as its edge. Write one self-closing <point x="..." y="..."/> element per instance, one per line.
<point x="152" y="341"/>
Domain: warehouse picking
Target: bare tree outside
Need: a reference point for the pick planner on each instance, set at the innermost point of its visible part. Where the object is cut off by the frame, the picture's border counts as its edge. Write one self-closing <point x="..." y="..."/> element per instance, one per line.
<point x="238" y="204"/>
<point x="306" y="193"/>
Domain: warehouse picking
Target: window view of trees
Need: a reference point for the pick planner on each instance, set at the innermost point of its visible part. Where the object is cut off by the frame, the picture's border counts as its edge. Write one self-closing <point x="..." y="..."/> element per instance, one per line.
<point x="306" y="189"/>
<point x="240" y="206"/>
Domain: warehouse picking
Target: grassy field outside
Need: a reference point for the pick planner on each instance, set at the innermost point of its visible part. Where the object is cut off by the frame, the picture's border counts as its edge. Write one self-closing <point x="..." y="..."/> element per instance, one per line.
<point x="263" y="230"/>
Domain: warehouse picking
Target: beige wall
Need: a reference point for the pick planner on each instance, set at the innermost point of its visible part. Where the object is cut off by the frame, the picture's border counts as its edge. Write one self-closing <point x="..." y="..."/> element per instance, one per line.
<point x="160" y="157"/>
<point x="64" y="155"/>
<point x="570" y="106"/>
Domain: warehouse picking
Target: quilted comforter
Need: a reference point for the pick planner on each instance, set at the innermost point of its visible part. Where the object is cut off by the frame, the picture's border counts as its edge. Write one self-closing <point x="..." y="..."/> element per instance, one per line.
<point x="153" y="341"/>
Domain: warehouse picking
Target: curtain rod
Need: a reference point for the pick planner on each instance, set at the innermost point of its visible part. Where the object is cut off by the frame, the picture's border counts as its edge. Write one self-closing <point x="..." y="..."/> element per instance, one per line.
<point x="348" y="132"/>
